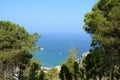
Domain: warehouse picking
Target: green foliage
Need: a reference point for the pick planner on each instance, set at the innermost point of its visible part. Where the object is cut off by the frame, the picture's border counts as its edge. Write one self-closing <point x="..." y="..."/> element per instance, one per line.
<point x="52" y="74"/>
<point x="70" y="68"/>
<point x="41" y="75"/>
<point x="76" y="71"/>
<point x="16" y="48"/>
<point x="32" y="70"/>
<point x="71" y="59"/>
<point x="65" y="73"/>
<point x="103" y="25"/>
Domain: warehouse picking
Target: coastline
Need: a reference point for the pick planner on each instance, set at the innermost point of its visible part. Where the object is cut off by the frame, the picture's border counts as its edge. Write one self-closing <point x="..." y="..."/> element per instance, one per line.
<point x="80" y="59"/>
<point x="45" y="69"/>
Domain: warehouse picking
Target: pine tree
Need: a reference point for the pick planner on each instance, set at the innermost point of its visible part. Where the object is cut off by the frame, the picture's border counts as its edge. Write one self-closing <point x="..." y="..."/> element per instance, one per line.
<point x="103" y="24"/>
<point x="16" y="48"/>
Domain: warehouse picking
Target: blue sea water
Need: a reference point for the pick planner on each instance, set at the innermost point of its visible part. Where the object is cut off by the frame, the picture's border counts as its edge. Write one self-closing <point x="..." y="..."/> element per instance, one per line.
<point x="55" y="47"/>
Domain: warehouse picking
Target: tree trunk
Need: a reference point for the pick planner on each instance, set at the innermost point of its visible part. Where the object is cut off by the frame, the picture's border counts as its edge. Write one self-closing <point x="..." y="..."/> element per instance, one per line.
<point x="4" y="69"/>
<point x="100" y="74"/>
<point x="119" y="65"/>
<point x="5" y="74"/>
<point x="64" y="77"/>
<point x="20" y="73"/>
<point x="100" y="77"/>
<point x="112" y="74"/>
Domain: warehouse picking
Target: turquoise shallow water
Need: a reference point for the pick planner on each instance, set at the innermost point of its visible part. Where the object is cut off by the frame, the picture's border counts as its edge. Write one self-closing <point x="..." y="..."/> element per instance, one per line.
<point x="55" y="47"/>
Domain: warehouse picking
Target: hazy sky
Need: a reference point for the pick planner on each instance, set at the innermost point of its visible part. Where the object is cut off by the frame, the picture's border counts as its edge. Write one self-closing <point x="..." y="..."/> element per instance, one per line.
<point x="46" y="15"/>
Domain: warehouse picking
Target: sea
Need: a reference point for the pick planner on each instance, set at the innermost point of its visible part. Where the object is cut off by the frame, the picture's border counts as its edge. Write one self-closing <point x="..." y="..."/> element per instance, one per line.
<point x="55" y="47"/>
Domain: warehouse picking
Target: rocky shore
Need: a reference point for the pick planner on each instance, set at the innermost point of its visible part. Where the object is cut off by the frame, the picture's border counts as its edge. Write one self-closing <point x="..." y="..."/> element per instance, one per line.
<point x="80" y="60"/>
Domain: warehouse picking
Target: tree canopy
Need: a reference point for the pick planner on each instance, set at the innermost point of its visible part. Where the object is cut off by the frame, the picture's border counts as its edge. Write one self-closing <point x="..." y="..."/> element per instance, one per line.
<point x="70" y="68"/>
<point x="16" y="47"/>
<point x="103" y="24"/>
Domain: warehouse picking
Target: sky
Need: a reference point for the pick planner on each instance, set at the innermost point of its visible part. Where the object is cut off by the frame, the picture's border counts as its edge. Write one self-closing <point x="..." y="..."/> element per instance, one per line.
<point x="46" y="15"/>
